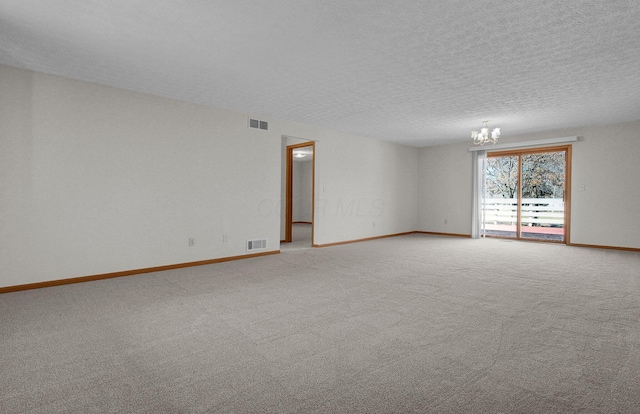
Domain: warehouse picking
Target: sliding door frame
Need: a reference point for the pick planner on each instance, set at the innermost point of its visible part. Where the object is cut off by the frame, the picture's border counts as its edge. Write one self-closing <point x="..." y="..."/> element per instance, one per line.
<point x="567" y="187"/>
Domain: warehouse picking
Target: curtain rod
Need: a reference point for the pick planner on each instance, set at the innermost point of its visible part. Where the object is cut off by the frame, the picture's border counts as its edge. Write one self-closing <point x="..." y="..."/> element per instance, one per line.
<point x="522" y="144"/>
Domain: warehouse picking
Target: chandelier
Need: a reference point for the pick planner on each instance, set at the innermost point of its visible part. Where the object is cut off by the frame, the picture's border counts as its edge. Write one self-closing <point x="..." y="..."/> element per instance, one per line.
<point x="482" y="137"/>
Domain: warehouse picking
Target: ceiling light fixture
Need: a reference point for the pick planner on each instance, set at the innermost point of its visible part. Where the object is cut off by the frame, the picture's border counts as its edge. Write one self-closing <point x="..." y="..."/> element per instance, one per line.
<point x="482" y="137"/>
<point x="300" y="154"/>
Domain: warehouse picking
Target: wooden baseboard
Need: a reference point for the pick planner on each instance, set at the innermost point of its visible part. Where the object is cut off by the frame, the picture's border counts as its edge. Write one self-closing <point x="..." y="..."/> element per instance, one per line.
<point x="81" y="279"/>
<point x="598" y="246"/>
<point x="301" y="222"/>
<point x="361" y="240"/>
<point x="435" y="233"/>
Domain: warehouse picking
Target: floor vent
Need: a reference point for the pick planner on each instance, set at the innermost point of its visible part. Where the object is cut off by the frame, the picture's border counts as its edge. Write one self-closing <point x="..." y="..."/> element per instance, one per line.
<point x="258" y="124"/>
<point x="259" y="244"/>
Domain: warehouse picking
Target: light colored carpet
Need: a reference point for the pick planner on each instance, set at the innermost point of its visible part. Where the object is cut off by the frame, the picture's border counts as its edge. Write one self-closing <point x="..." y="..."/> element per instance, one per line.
<point x="408" y="324"/>
<point x="300" y="238"/>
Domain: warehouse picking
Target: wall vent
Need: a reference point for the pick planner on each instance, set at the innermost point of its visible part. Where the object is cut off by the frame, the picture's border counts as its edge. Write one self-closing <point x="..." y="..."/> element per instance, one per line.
<point x="259" y="244"/>
<point x="258" y="124"/>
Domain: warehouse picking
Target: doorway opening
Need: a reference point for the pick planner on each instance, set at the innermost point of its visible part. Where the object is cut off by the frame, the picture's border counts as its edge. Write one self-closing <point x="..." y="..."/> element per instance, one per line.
<point x="526" y="194"/>
<point x="300" y="183"/>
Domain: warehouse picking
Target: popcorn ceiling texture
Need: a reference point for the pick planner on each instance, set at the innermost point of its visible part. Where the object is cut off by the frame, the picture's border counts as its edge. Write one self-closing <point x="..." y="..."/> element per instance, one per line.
<point x="414" y="72"/>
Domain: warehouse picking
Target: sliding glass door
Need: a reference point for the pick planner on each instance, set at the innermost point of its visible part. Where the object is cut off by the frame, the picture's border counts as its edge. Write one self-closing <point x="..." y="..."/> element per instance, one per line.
<point x="526" y="194"/>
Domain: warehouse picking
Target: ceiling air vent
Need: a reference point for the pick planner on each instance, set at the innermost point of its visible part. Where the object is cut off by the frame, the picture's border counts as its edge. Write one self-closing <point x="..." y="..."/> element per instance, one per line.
<point x="260" y="244"/>
<point x="257" y="124"/>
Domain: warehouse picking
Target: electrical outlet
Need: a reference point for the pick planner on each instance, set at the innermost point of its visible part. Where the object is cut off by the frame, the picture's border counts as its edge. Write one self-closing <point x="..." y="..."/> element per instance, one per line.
<point x="191" y="241"/>
<point x="445" y="221"/>
<point x="225" y="238"/>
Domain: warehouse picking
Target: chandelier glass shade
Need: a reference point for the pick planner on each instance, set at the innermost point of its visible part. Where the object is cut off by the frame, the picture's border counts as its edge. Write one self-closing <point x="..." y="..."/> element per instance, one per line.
<point x="483" y="137"/>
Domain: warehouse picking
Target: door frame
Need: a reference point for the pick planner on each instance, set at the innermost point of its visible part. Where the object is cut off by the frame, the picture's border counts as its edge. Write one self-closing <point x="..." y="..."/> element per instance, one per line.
<point x="567" y="188"/>
<point x="289" y="189"/>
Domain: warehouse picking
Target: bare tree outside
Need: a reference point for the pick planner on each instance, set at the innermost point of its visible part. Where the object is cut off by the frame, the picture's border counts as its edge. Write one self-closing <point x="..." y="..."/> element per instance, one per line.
<point x="501" y="177"/>
<point x="542" y="176"/>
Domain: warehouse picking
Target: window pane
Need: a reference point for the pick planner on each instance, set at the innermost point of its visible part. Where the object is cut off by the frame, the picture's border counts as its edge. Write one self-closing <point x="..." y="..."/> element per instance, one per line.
<point x="543" y="176"/>
<point x="501" y="192"/>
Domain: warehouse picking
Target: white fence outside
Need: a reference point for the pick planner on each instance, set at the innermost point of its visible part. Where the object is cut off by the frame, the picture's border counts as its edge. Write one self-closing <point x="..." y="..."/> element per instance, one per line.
<point x="544" y="212"/>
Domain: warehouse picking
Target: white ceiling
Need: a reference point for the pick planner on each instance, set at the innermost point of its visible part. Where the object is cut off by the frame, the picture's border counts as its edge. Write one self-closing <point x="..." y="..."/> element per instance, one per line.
<point x="413" y="72"/>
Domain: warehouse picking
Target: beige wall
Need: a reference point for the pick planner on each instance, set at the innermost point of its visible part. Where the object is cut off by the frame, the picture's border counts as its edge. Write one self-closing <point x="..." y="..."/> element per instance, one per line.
<point x="302" y="190"/>
<point x="95" y="179"/>
<point x="444" y="189"/>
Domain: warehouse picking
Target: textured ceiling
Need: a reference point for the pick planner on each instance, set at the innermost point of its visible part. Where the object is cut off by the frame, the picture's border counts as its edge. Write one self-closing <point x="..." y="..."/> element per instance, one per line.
<point x="414" y="72"/>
